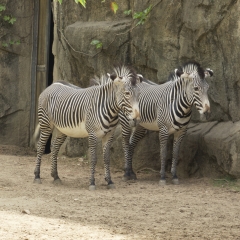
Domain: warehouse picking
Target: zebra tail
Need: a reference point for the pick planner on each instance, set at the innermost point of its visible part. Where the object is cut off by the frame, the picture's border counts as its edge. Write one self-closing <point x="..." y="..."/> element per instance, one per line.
<point x="36" y="135"/>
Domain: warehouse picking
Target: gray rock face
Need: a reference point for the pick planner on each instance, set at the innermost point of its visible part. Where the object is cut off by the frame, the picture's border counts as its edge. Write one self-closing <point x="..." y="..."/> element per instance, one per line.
<point x="15" y="74"/>
<point x="174" y="33"/>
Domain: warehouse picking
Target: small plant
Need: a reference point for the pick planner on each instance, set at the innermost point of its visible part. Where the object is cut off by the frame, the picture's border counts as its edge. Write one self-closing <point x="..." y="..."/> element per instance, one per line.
<point x="142" y="16"/>
<point x="227" y="182"/>
<point x="10" y="20"/>
<point x="96" y="43"/>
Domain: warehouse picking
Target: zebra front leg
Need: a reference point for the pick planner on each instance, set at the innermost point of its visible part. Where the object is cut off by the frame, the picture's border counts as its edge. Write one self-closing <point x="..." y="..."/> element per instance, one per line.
<point x="136" y="136"/>
<point x="106" y="144"/>
<point x="178" y="136"/>
<point x="56" y="144"/>
<point x="44" y="135"/>
<point x="92" y="139"/>
<point x="126" y="133"/>
<point x="163" y="138"/>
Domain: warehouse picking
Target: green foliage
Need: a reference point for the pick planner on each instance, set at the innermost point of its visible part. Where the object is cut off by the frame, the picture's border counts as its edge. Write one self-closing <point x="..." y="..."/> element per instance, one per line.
<point x="2" y="8"/>
<point x="127" y="12"/>
<point x="5" y="45"/>
<point x="114" y="7"/>
<point x="83" y="2"/>
<point x="96" y="43"/>
<point x="142" y="16"/>
<point x="228" y="182"/>
<point x="10" y="20"/>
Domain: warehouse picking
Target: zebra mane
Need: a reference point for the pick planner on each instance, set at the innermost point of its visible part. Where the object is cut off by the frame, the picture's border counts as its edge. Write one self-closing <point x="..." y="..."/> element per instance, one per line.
<point x="126" y="71"/>
<point x="193" y="66"/>
<point x="68" y="84"/>
<point x="189" y="67"/>
<point x="99" y="81"/>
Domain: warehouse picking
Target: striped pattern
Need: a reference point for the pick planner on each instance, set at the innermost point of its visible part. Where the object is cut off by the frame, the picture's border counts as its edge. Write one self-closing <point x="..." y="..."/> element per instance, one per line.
<point x="90" y="112"/>
<point x="167" y="108"/>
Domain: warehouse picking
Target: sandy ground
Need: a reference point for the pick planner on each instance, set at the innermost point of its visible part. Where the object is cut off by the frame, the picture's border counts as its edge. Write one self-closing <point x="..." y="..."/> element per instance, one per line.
<point x="195" y="209"/>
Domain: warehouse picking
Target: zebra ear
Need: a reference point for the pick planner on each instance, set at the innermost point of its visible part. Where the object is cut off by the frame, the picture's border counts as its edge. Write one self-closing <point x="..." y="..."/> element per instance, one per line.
<point x="178" y="72"/>
<point x="112" y="76"/>
<point x="139" y="78"/>
<point x="208" y="72"/>
<point x="182" y="74"/>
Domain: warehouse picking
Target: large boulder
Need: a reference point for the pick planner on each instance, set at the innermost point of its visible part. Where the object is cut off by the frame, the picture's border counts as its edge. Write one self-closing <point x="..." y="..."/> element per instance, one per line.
<point x="174" y="33"/>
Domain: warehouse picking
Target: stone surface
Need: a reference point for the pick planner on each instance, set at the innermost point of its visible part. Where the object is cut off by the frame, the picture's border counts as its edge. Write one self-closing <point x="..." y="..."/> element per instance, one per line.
<point x="175" y="32"/>
<point x="15" y="74"/>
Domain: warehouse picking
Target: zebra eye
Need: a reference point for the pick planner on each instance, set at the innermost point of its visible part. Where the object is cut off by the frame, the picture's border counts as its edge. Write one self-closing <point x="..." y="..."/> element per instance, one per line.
<point x="196" y="88"/>
<point x="127" y="93"/>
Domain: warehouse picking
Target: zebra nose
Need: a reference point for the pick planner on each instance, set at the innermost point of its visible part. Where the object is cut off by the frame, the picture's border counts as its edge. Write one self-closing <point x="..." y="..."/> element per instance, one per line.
<point x="207" y="113"/>
<point x="207" y="107"/>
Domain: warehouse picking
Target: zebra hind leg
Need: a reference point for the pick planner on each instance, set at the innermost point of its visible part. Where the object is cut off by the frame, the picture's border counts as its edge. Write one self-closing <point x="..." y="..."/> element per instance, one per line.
<point x="44" y="135"/>
<point x="56" y="144"/>
<point x="92" y="139"/>
<point x="106" y="144"/>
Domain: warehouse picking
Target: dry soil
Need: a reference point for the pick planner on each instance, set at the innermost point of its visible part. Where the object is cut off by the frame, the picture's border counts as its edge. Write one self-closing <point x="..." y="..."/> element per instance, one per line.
<point x="195" y="209"/>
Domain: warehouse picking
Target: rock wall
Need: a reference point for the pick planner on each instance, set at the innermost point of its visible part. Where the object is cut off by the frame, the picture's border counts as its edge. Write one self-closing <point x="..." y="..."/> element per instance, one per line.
<point x="176" y="31"/>
<point x="15" y="73"/>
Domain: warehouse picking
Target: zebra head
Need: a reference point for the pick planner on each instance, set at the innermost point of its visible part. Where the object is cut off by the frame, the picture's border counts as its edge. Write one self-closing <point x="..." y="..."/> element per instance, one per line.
<point x="197" y="86"/>
<point x="125" y="82"/>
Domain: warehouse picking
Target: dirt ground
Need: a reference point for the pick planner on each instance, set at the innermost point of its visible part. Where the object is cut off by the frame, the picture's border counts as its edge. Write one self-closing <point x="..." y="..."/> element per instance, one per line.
<point x="195" y="209"/>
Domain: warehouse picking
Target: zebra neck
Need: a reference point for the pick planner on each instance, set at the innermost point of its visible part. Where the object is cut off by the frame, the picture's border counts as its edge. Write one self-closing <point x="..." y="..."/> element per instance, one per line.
<point x="107" y="106"/>
<point x="180" y="102"/>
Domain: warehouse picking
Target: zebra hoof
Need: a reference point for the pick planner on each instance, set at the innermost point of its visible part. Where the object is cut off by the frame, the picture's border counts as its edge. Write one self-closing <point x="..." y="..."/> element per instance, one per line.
<point x="175" y="181"/>
<point x="162" y="182"/>
<point x="92" y="187"/>
<point x="57" y="181"/>
<point x="111" y="186"/>
<point x="37" y="180"/>
<point x="129" y="177"/>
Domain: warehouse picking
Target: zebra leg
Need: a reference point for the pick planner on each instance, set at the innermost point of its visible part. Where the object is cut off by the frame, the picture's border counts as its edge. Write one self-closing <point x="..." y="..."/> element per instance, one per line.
<point x="178" y="136"/>
<point x="92" y="139"/>
<point x="56" y="144"/>
<point x="106" y="144"/>
<point x="44" y="135"/>
<point x="129" y="146"/>
<point x="163" y="138"/>
<point x="126" y="133"/>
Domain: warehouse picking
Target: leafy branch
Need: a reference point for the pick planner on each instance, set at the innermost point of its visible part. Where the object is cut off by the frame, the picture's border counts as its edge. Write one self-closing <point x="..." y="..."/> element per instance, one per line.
<point x="141" y="18"/>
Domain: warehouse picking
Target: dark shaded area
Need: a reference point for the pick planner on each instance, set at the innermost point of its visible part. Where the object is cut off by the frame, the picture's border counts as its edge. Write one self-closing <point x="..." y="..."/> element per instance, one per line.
<point x="50" y="72"/>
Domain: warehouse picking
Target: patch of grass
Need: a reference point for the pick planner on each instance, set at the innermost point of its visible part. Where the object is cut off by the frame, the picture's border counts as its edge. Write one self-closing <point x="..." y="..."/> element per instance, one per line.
<point x="228" y="182"/>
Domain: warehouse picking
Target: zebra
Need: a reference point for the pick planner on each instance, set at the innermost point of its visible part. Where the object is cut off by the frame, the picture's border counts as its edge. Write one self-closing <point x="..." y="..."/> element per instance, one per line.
<point x="167" y="108"/>
<point x="86" y="112"/>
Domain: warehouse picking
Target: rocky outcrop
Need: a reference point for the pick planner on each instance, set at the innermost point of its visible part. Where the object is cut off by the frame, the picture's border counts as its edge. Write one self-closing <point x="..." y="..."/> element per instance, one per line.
<point x="176" y="31"/>
<point x="15" y="73"/>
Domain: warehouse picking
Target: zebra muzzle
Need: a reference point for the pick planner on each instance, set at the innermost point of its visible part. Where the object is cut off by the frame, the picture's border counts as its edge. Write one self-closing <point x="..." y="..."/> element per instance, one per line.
<point x="207" y="113"/>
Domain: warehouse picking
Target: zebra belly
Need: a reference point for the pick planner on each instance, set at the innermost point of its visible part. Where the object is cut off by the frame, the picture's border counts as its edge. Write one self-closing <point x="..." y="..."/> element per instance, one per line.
<point x="150" y="125"/>
<point x="153" y="126"/>
<point x="76" y="132"/>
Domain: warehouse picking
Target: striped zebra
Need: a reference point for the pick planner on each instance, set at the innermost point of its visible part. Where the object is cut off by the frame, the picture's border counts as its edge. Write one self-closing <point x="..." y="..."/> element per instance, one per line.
<point x="91" y="112"/>
<point x="167" y="108"/>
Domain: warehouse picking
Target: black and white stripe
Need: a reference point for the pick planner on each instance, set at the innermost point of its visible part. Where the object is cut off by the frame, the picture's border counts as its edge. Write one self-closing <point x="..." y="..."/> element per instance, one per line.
<point x="91" y="112"/>
<point x="167" y="108"/>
